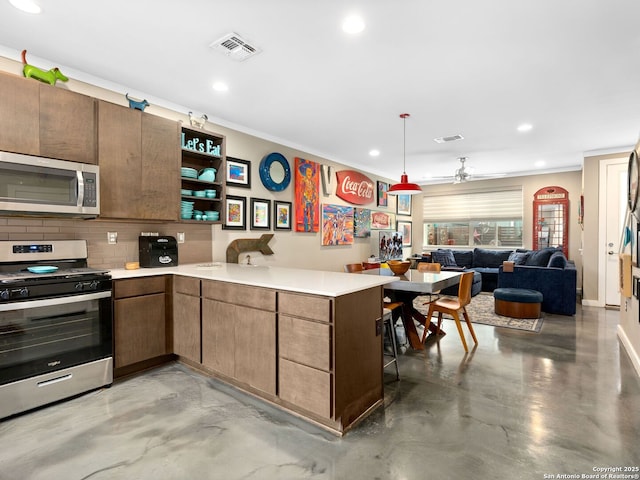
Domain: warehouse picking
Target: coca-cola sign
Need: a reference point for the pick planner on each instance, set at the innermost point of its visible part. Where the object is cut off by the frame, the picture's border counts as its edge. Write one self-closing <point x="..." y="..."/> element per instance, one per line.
<point x="354" y="187"/>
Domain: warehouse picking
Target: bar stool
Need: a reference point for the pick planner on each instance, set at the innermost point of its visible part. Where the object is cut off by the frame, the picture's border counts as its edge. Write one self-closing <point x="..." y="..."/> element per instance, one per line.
<point x="390" y="334"/>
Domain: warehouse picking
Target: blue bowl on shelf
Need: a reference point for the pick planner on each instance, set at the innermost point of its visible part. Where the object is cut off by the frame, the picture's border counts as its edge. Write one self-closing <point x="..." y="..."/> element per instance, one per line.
<point x="207" y="174"/>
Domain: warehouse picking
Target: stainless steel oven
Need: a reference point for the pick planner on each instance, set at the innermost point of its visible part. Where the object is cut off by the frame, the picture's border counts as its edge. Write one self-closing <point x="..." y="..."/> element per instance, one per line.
<point x="56" y="328"/>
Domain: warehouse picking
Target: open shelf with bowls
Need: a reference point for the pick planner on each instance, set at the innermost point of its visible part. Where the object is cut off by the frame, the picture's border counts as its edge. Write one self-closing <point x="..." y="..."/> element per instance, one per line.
<point x="202" y="176"/>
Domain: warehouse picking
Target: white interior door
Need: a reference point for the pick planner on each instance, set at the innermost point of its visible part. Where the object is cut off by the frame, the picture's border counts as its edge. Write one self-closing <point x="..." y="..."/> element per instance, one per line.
<point x="616" y="207"/>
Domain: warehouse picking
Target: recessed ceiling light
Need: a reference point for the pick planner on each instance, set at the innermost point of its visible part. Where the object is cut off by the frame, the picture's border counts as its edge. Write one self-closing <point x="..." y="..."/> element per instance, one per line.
<point x="353" y="24"/>
<point x="220" y="87"/>
<point x="374" y="152"/>
<point x="28" y="6"/>
<point x="525" y="127"/>
<point x="539" y="164"/>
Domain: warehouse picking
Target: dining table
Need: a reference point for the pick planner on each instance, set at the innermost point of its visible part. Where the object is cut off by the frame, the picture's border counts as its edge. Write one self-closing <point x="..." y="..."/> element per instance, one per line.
<point x="410" y="285"/>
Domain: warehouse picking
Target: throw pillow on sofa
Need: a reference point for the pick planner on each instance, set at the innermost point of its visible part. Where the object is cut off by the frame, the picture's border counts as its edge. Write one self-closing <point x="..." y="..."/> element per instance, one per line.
<point x="464" y="258"/>
<point x="557" y="260"/>
<point x="540" y="258"/>
<point x="483" y="257"/>
<point x="444" y="257"/>
<point x="519" y="258"/>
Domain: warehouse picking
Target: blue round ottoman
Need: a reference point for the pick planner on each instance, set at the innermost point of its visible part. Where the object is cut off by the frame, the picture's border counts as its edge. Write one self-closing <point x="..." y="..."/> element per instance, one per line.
<point x="517" y="302"/>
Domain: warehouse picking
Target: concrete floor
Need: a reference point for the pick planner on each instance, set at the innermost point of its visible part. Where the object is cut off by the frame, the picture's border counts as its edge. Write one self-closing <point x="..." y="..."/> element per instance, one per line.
<point x="522" y="406"/>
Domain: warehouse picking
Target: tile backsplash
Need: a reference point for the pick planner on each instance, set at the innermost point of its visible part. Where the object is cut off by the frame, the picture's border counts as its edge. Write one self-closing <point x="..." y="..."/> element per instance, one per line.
<point x="197" y="246"/>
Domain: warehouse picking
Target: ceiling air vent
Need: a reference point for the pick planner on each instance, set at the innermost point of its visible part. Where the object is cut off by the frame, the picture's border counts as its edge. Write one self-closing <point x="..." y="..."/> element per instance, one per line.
<point x="451" y="138"/>
<point x="235" y="47"/>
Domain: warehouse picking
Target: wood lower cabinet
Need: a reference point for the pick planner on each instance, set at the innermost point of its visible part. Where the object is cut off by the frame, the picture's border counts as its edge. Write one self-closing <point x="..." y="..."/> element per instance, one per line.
<point x="239" y="333"/>
<point x="139" y="320"/>
<point x="186" y="318"/>
<point x="139" y="158"/>
<point x="330" y="355"/>
<point x="318" y="357"/>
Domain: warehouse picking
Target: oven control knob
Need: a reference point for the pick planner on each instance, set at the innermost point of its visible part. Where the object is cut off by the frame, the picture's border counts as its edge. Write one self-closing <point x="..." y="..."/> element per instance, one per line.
<point x="93" y="285"/>
<point x="4" y="294"/>
<point x="79" y="286"/>
<point x="24" y="292"/>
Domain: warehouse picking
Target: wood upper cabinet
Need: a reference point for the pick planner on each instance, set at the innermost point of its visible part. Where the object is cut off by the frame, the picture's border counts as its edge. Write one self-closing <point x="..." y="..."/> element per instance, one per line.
<point x="19" y="115"/>
<point x="139" y="320"/>
<point x="139" y="158"/>
<point x="44" y="120"/>
<point x="67" y="125"/>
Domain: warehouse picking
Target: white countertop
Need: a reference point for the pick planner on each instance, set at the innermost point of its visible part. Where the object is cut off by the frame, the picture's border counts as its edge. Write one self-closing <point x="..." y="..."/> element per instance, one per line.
<point x="316" y="282"/>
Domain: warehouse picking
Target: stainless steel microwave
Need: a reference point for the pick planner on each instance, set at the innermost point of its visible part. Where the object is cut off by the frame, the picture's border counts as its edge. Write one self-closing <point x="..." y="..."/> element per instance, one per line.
<point x="32" y="185"/>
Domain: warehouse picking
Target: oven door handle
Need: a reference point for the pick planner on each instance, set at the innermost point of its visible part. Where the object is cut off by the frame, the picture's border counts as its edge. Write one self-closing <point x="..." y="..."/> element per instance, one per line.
<point x="49" y="302"/>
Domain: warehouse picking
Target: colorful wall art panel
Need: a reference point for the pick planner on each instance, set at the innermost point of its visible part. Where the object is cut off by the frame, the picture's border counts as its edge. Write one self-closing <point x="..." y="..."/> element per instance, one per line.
<point x="307" y="188"/>
<point x="337" y="225"/>
<point x="381" y="220"/>
<point x="390" y="245"/>
<point x="362" y="223"/>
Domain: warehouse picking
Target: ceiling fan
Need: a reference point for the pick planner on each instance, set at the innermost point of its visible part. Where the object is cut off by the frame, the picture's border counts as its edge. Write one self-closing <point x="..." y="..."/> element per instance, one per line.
<point x="462" y="174"/>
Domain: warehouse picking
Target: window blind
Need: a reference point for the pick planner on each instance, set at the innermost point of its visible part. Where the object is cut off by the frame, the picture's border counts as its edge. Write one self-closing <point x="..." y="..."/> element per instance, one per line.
<point x="503" y="204"/>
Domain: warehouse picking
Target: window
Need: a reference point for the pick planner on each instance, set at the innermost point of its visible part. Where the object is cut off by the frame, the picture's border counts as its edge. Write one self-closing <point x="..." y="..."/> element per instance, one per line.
<point x="474" y="219"/>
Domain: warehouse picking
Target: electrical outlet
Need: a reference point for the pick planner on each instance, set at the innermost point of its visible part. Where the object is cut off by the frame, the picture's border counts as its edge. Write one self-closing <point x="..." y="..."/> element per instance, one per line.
<point x="180" y="237"/>
<point x="112" y="238"/>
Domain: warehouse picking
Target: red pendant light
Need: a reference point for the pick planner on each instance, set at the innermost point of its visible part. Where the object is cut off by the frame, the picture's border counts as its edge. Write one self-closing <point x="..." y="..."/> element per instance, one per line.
<point x="404" y="187"/>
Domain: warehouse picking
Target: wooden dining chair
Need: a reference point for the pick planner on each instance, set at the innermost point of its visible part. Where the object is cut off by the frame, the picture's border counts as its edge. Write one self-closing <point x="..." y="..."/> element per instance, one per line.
<point x="453" y="306"/>
<point x="353" y="267"/>
<point x="430" y="267"/>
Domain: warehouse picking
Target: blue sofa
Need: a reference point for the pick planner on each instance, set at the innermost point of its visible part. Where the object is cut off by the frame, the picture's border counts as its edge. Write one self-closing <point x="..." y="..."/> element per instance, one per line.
<point x="482" y="260"/>
<point x="556" y="281"/>
<point x="547" y="271"/>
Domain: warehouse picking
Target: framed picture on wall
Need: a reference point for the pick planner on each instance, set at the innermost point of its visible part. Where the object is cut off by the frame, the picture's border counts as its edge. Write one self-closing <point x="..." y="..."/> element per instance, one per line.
<point x="235" y="213"/>
<point x="282" y="215"/>
<point x="404" y="228"/>
<point x="260" y="214"/>
<point x="361" y="223"/>
<point x="307" y="200"/>
<point x="337" y="225"/>
<point x="382" y="220"/>
<point x="383" y="199"/>
<point x="238" y="173"/>
<point x="403" y="204"/>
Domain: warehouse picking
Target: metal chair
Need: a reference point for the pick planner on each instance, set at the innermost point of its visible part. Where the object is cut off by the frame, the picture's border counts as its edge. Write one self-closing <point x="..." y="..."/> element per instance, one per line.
<point x="453" y="307"/>
<point x="390" y="332"/>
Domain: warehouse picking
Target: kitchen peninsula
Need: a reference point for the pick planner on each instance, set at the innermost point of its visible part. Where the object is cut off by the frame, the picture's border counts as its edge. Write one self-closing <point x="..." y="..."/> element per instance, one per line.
<point x="307" y="341"/>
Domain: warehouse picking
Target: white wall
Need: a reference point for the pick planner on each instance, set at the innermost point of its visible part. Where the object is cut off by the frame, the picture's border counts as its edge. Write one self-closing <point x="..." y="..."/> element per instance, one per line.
<point x="296" y="249"/>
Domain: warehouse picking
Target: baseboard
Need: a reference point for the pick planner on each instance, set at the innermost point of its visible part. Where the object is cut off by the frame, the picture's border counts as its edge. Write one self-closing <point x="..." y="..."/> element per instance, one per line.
<point x="592" y="303"/>
<point x="628" y="347"/>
